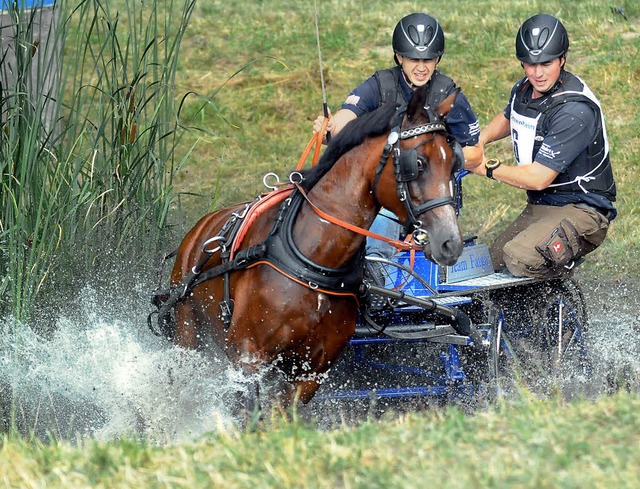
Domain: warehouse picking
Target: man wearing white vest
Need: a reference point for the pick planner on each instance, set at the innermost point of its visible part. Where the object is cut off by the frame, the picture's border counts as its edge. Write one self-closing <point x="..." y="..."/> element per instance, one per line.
<point x="562" y="159"/>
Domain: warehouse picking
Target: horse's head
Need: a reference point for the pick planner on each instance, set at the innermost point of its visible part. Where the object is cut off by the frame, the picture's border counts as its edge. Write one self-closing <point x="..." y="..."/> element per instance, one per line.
<point x="425" y="159"/>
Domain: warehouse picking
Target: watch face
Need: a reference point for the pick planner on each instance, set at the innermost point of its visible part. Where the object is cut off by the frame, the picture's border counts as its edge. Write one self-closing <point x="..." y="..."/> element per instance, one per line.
<point x="492" y="163"/>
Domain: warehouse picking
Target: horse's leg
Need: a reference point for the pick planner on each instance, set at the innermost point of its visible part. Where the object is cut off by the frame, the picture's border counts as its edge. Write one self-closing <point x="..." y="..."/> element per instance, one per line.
<point x="301" y="338"/>
<point x="186" y="330"/>
<point x="304" y="390"/>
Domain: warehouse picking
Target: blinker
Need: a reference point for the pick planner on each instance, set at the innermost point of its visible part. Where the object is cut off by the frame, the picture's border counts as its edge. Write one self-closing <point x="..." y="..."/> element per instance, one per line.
<point x="408" y="164"/>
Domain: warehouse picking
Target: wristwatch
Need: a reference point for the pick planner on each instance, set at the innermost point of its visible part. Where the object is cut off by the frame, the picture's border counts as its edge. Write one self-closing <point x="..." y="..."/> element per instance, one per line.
<point x="491" y="165"/>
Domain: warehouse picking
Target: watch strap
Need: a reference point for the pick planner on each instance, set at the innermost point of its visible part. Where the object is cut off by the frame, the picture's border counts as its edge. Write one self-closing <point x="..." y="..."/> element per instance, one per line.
<point x="491" y="165"/>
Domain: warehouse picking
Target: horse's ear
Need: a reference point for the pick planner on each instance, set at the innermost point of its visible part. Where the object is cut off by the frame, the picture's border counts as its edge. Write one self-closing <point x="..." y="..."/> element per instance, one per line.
<point x="417" y="102"/>
<point x="446" y="105"/>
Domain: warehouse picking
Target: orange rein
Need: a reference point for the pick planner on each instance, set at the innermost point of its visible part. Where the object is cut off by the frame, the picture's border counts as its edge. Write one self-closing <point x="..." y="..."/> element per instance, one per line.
<point x="410" y="245"/>
<point x="398" y="244"/>
<point x="316" y="141"/>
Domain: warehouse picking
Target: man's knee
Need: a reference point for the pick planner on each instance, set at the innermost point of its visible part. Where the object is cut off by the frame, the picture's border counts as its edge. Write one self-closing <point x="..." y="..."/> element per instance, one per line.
<point x="523" y="261"/>
<point x="550" y="257"/>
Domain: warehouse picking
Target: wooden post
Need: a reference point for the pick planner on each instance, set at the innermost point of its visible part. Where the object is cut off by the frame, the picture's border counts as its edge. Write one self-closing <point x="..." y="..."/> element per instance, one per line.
<point x="30" y="57"/>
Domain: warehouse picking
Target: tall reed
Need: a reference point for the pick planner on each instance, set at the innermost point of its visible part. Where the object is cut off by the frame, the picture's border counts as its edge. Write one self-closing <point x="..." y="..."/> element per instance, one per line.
<point x="88" y="147"/>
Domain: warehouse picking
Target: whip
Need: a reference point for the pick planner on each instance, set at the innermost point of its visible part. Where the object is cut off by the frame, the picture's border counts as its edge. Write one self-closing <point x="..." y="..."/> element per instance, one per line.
<point x="325" y="107"/>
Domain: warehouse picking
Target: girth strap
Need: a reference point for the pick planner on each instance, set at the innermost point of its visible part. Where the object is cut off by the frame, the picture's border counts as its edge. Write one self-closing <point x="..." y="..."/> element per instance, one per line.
<point x="243" y="259"/>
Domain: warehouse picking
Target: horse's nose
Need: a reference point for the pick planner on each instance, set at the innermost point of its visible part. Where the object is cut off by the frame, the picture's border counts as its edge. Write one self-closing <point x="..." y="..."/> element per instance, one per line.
<point x="449" y="252"/>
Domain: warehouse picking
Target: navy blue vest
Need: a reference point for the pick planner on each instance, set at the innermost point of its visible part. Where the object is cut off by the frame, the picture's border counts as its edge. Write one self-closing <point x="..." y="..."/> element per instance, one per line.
<point x="439" y="87"/>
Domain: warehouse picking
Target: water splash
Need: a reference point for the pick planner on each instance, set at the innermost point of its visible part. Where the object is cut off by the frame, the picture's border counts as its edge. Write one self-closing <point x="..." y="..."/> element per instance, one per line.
<point x="107" y="377"/>
<point x="615" y="334"/>
<point x="103" y="374"/>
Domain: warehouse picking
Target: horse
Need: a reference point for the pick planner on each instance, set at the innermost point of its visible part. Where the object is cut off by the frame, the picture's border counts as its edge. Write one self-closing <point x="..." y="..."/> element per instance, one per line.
<point x="286" y="297"/>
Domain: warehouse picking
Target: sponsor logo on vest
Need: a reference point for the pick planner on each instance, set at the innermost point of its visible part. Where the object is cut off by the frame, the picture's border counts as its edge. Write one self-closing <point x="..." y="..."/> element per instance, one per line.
<point x="523" y="123"/>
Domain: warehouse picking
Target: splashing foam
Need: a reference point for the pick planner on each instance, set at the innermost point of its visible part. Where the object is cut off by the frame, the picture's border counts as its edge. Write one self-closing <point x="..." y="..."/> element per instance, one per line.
<point x="103" y="374"/>
<point x="615" y="334"/>
<point x="110" y="378"/>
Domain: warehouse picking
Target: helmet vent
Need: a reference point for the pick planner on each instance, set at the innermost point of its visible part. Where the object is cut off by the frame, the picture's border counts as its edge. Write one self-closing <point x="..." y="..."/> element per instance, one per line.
<point x="537" y="38"/>
<point x="420" y="35"/>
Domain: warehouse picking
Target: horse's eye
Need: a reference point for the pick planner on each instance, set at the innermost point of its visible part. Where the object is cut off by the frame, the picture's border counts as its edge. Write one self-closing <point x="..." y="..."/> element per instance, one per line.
<point x="422" y="162"/>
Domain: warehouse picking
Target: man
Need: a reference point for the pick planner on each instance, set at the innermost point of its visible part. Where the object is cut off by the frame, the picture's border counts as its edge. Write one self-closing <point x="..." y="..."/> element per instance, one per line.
<point x="562" y="154"/>
<point x="418" y="46"/>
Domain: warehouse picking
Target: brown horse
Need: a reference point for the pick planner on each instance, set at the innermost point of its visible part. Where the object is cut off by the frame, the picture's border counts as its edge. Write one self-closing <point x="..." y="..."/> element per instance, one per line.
<point x="289" y="302"/>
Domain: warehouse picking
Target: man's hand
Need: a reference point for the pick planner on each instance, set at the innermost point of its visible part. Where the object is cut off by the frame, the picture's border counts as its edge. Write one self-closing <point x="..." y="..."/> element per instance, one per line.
<point x="478" y="170"/>
<point x="320" y="120"/>
<point x="473" y="156"/>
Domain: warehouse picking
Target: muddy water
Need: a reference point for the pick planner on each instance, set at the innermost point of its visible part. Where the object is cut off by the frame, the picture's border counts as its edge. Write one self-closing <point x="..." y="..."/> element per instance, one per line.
<point x="104" y="374"/>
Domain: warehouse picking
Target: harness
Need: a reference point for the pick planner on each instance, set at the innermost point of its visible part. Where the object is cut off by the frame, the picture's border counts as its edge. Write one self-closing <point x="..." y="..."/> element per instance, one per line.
<point x="407" y="167"/>
<point x="438" y="88"/>
<point x="279" y="250"/>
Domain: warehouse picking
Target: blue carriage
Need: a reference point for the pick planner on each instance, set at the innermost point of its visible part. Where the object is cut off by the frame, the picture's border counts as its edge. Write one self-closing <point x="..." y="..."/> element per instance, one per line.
<point x="434" y="333"/>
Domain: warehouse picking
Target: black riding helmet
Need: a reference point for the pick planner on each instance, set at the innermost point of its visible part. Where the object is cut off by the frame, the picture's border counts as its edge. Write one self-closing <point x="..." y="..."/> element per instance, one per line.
<point x="541" y="38"/>
<point x="418" y="36"/>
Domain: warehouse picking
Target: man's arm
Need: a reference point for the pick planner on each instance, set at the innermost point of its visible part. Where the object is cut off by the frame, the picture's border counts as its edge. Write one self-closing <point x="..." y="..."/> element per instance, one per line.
<point x="498" y="128"/>
<point x="336" y="122"/>
<point x="535" y="176"/>
<point x="473" y="156"/>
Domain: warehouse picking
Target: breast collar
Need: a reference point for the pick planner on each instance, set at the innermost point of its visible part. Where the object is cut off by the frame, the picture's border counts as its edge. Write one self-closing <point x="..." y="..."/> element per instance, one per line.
<point x="285" y="255"/>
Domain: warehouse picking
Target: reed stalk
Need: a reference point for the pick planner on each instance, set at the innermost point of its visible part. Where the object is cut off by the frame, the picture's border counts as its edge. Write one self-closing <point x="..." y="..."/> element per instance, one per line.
<point x="88" y="147"/>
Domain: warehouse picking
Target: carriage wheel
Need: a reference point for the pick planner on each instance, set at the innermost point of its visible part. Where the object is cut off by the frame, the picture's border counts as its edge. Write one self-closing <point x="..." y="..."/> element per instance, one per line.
<point x="540" y="341"/>
<point x="481" y="364"/>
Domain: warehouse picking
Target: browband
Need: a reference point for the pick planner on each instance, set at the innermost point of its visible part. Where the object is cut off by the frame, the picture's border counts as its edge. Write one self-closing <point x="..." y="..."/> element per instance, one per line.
<point x="423" y="129"/>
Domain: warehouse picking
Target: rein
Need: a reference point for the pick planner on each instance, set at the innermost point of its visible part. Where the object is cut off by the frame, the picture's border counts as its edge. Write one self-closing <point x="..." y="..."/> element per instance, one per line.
<point x="398" y="244"/>
<point x="392" y="148"/>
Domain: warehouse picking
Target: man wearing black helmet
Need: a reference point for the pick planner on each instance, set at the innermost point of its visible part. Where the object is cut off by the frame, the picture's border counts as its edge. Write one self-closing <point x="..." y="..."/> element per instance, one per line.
<point x="418" y="46"/>
<point x="562" y="153"/>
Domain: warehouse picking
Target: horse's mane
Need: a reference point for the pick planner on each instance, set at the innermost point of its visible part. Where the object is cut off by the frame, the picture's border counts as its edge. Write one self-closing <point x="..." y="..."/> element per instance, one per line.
<point x="353" y="134"/>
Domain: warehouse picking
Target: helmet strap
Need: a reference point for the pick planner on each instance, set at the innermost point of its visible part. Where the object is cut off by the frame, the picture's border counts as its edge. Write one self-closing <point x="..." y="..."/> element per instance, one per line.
<point x="406" y="78"/>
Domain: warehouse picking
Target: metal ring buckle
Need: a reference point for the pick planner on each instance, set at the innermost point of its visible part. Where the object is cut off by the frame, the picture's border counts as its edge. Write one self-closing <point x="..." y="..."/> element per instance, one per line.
<point x="264" y="180"/>
<point x="210" y="241"/>
<point x="298" y="177"/>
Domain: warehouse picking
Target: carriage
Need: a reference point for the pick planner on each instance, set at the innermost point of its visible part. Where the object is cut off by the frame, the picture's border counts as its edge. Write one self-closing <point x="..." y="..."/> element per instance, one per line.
<point x="280" y="283"/>
<point x="463" y="334"/>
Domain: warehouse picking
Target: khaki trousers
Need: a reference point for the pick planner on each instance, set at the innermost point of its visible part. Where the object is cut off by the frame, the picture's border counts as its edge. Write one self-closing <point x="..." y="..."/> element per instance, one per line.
<point x="545" y="241"/>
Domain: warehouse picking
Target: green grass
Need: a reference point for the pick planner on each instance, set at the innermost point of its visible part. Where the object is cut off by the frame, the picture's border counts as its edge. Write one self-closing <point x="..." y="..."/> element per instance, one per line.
<point x="529" y="445"/>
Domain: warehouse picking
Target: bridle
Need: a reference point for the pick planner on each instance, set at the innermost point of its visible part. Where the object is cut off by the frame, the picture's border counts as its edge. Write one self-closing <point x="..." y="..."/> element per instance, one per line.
<point x="407" y="168"/>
